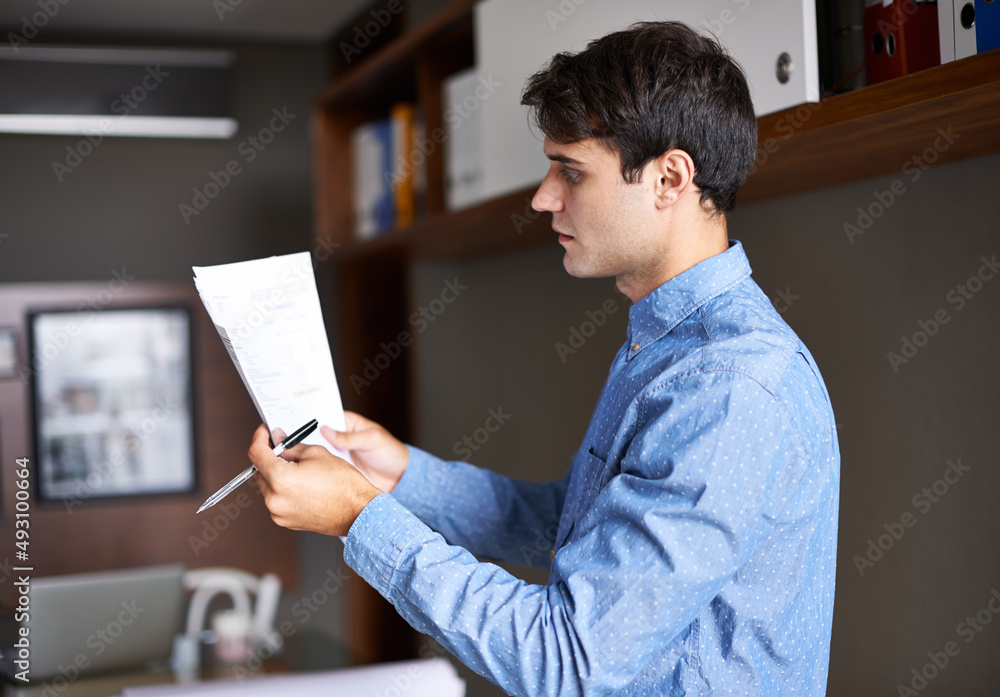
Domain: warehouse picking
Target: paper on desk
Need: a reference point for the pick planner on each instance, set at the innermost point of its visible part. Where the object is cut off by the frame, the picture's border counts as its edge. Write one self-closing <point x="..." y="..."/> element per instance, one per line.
<point x="435" y="677"/>
<point x="268" y="315"/>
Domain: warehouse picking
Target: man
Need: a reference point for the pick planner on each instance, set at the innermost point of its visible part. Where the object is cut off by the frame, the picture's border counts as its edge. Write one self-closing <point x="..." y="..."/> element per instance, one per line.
<point x="696" y="544"/>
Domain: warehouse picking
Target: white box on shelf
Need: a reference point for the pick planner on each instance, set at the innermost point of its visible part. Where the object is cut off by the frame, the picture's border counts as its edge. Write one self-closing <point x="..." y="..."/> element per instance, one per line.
<point x="462" y="98"/>
<point x="516" y="38"/>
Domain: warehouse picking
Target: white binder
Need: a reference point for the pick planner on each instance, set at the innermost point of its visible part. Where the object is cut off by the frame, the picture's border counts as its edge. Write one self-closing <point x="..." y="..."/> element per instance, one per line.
<point x="515" y="38"/>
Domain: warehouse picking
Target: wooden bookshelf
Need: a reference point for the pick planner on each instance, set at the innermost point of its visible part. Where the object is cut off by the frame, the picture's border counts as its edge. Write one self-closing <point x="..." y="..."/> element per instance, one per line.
<point x="412" y="68"/>
<point x="874" y="131"/>
<point x="866" y="133"/>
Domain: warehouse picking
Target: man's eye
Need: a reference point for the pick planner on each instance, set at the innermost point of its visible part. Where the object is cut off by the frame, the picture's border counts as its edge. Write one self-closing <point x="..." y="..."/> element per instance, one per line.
<point x="571" y="177"/>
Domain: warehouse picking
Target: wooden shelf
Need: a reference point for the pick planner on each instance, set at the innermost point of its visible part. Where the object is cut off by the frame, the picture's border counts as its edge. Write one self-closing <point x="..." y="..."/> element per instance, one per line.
<point x="412" y="69"/>
<point x="370" y="78"/>
<point x="866" y="133"/>
<point x="876" y="130"/>
<point x="488" y="228"/>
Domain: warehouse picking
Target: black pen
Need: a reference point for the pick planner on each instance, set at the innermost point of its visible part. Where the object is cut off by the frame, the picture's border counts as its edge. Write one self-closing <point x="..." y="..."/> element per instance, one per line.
<point x="291" y="441"/>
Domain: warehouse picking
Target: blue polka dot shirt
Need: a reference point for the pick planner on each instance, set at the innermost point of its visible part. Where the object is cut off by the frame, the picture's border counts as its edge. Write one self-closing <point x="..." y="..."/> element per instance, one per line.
<point x="691" y="545"/>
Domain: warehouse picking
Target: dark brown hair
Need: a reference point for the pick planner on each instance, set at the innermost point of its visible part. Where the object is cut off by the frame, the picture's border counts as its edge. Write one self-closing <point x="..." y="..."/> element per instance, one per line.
<point x="648" y="89"/>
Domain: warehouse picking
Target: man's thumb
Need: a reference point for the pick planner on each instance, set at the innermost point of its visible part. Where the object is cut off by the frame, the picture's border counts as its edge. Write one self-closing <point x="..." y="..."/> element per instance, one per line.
<point x="350" y="440"/>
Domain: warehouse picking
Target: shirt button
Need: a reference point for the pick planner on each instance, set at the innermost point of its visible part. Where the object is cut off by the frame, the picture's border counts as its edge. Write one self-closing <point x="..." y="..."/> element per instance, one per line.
<point x="635" y="346"/>
<point x="552" y="555"/>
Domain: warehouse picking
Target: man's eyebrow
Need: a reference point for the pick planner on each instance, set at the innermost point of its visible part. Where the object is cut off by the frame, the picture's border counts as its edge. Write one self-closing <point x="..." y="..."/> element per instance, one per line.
<point x="556" y="157"/>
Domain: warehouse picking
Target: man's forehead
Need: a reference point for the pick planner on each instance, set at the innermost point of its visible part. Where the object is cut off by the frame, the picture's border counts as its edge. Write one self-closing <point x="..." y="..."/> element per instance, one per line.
<point x="577" y="152"/>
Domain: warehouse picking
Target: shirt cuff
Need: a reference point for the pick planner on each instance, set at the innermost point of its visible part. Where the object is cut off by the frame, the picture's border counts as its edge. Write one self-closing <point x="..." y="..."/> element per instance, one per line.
<point x="420" y="484"/>
<point x="378" y="539"/>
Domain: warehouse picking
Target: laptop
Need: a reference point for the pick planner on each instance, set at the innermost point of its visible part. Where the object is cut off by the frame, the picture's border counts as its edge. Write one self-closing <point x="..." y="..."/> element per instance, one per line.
<point x="103" y="621"/>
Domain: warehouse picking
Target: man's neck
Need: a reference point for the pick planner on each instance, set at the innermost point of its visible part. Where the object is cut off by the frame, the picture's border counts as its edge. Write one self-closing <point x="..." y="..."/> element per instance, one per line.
<point x="682" y="254"/>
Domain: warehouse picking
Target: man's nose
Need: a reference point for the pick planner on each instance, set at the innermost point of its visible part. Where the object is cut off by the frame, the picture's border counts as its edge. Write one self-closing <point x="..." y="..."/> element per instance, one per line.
<point x="546" y="198"/>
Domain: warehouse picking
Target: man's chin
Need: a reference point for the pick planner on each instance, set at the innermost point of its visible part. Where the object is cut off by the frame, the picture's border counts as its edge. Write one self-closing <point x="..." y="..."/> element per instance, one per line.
<point x="570" y="266"/>
<point x="576" y="269"/>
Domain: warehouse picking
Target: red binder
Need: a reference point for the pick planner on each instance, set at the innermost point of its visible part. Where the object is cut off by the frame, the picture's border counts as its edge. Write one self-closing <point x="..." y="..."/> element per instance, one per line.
<point x="901" y="37"/>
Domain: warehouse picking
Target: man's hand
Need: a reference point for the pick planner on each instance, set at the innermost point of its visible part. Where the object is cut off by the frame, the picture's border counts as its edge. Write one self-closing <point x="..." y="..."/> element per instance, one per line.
<point x="373" y="449"/>
<point x="310" y="489"/>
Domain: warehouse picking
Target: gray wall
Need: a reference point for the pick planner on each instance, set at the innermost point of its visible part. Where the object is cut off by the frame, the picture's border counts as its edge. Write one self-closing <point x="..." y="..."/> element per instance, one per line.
<point x="119" y="208"/>
<point x="851" y="304"/>
<point x="120" y="205"/>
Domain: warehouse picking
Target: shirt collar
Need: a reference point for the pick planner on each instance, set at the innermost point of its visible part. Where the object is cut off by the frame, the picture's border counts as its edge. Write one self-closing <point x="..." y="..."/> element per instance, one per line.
<point x="659" y="312"/>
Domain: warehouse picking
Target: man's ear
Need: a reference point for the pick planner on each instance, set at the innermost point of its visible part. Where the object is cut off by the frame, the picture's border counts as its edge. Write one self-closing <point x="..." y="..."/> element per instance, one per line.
<point x="674" y="172"/>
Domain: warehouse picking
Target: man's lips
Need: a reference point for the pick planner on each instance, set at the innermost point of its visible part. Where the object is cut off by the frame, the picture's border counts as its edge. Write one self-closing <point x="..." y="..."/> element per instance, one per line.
<point x="563" y="237"/>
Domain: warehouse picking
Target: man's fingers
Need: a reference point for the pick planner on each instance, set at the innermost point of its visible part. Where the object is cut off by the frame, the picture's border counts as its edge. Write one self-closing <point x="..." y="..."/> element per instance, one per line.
<point x="261" y="480"/>
<point x="356" y="421"/>
<point x="329" y="434"/>
<point x="262" y="455"/>
<point x="365" y="439"/>
<point x="301" y="451"/>
<point x="260" y="445"/>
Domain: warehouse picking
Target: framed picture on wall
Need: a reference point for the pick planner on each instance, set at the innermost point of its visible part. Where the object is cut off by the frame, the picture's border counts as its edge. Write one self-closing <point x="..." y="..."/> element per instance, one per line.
<point x="112" y="398"/>
<point x="8" y="352"/>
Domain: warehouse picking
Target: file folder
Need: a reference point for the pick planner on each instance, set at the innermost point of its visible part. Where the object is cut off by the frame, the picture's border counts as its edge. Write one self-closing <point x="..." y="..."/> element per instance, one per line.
<point x="901" y="37"/>
<point x="964" y="23"/>
<point x="987" y="25"/>
<point x="946" y="30"/>
<point x="841" y="45"/>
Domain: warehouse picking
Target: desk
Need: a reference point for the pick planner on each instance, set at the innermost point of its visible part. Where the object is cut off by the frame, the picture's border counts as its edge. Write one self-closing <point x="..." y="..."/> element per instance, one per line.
<point x="306" y="650"/>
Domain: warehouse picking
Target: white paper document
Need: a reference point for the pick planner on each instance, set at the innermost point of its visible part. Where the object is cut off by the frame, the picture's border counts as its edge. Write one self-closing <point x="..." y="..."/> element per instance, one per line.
<point x="268" y="315"/>
<point x="426" y="678"/>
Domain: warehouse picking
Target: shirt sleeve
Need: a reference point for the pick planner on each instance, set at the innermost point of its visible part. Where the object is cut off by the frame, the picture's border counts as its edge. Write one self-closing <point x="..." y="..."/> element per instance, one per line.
<point x="492" y="516"/>
<point x="662" y="538"/>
